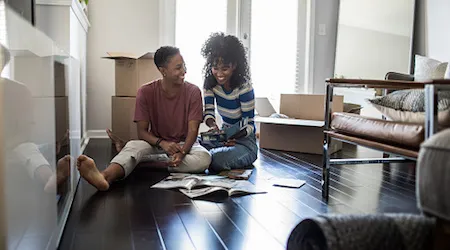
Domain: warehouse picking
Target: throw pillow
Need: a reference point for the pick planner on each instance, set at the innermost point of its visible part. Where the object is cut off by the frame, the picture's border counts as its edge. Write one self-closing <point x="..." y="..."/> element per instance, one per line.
<point x="427" y="68"/>
<point x="411" y="100"/>
<point x="412" y="117"/>
<point x="409" y="106"/>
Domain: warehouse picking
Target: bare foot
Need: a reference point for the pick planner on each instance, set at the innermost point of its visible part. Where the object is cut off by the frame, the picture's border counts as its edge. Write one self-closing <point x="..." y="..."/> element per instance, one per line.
<point x="62" y="174"/>
<point x="63" y="169"/>
<point x="118" y="142"/>
<point x="62" y="142"/>
<point x="90" y="173"/>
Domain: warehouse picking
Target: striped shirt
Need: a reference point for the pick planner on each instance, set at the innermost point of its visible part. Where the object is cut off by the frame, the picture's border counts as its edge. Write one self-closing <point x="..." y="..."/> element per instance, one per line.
<point x="233" y="106"/>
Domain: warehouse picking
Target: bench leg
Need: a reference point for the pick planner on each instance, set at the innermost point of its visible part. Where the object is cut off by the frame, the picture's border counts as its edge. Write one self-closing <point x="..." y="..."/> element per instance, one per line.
<point x="325" y="169"/>
<point x="326" y="141"/>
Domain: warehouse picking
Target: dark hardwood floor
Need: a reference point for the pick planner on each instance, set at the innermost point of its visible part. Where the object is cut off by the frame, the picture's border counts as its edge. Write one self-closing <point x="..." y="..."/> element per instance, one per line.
<point x="133" y="216"/>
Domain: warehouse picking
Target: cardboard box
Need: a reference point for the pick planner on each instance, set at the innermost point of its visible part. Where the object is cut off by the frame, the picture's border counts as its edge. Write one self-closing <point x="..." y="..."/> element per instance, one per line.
<point x="131" y="72"/>
<point x="122" y="117"/>
<point x="303" y="131"/>
<point x="44" y="76"/>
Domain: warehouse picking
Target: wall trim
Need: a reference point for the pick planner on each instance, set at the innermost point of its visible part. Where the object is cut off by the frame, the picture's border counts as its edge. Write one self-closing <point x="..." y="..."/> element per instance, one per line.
<point x="309" y="55"/>
<point x="302" y="42"/>
<point x="167" y="22"/>
<point x="233" y="17"/>
<point x="75" y="5"/>
<point x="79" y="13"/>
<point x="100" y="134"/>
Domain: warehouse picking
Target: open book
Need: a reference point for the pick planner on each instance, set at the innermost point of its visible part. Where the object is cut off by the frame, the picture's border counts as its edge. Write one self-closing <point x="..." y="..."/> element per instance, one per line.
<point x="189" y="181"/>
<point x="217" y="138"/>
<point x="238" y="189"/>
<point x="198" y="185"/>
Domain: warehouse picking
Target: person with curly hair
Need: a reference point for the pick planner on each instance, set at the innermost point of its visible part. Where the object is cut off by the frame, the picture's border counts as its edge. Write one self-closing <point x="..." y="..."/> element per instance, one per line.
<point x="227" y="84"/>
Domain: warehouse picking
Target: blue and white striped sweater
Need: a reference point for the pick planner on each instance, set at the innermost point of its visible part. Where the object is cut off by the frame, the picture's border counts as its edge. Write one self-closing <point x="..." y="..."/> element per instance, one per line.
<point x="233" y="106"/>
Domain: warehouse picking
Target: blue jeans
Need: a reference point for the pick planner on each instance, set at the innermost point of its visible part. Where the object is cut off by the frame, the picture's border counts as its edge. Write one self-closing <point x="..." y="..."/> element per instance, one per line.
<point x="242" y="155"/>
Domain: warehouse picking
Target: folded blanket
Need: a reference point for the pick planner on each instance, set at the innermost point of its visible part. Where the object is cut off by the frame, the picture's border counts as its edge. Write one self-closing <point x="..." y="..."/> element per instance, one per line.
<point x="363" y="232"/>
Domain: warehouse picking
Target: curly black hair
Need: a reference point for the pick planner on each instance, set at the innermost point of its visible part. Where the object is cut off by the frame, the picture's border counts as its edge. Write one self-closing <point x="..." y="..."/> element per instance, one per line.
<point x="228" y="49"/>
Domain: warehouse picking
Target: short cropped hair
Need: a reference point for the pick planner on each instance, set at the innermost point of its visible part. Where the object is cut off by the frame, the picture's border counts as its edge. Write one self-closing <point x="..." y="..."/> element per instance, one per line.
<point x="164" y="54"/>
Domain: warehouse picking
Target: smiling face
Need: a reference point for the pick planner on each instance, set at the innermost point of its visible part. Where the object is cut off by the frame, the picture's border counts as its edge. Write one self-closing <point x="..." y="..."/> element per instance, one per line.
<point x="175" y="70"/>
<point x="223" y="72"/>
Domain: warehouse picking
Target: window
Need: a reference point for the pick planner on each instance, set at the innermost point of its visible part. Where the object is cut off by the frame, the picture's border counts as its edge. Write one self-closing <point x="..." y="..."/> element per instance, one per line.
<point x="277" y="47"/>
<point x="194" y="22"/>
<point x="275" y="34"/>
<point x="273" y="45"/>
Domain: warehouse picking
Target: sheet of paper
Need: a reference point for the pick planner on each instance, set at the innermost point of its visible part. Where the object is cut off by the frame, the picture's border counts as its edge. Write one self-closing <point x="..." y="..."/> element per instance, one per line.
<point x="284" y="182"/>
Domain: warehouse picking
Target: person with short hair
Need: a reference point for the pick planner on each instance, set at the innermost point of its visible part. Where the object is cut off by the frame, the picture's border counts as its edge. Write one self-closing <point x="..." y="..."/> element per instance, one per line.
<point x="168" y="115"/>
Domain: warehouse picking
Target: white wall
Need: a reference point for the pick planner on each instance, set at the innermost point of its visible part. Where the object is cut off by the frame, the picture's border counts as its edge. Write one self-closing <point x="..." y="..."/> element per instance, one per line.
<point x="432" y="36"/>
<point x="438" y="30"/>
<point x="116" y="25"/>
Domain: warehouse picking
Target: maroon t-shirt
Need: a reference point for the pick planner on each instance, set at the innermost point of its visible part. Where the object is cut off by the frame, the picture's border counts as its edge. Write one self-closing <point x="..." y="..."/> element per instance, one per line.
<point x="168" y="117"/>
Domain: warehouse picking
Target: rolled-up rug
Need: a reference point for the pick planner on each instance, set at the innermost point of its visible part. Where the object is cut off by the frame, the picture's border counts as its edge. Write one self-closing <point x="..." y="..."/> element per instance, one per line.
<point x="363" y="232"/>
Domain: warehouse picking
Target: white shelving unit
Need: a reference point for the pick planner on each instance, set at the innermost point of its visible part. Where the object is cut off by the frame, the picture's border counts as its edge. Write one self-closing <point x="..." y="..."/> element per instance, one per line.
<point x="65" y="22"/>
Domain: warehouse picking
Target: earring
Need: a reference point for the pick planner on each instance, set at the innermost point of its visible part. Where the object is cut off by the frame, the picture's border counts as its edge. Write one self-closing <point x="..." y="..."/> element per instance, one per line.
<point x="164" y="75"/>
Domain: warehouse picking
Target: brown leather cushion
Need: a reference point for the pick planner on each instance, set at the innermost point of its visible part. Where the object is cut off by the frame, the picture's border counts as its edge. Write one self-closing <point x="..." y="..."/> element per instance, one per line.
<point x="394" y="133"/>
<point x="390" y="149"/>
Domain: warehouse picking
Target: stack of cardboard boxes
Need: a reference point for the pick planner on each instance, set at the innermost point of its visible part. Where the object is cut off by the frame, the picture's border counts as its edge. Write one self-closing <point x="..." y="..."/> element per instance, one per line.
<point x="131" y="72"/>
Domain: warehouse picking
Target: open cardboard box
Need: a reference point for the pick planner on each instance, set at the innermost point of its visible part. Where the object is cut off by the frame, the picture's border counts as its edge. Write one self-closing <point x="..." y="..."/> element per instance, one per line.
<point x="132" y="71"/>
<point x="303" y="131"/>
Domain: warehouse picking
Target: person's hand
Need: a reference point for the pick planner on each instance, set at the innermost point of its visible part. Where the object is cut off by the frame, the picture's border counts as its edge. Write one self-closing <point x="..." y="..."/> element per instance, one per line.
<point x="171" y="148"/>
<point x="177" y="159"/>
<point x="214" y="128"/>
<point x="230" y="143"/>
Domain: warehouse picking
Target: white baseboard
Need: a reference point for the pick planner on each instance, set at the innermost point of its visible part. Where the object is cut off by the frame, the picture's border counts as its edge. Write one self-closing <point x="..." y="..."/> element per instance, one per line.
<point x="101" y="134"/>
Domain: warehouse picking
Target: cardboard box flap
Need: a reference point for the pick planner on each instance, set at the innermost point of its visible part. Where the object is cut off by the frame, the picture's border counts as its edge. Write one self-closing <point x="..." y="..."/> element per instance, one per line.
<point x="120" y="55"/>
<point x="296" y="122"/>
<point x="308" y="106"/>
<point x="124" y="55"/>
<point x="148" y="55"/>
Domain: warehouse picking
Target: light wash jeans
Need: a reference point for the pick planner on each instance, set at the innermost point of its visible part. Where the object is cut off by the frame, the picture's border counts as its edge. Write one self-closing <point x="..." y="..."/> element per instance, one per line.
<point x="240" y="156"/>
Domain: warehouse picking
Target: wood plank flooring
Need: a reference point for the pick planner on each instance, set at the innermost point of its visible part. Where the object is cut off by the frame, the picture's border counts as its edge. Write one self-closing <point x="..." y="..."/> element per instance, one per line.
<point x="133" y="216"/>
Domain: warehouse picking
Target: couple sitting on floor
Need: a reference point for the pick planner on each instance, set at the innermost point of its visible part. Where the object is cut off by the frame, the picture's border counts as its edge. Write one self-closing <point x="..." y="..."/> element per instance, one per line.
<point x="169" y="112"/>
